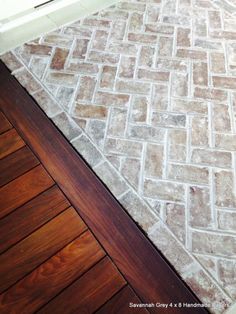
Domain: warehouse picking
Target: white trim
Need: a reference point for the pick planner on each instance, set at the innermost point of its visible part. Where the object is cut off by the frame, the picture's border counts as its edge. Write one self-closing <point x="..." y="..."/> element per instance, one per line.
<point x="36" y="13"/>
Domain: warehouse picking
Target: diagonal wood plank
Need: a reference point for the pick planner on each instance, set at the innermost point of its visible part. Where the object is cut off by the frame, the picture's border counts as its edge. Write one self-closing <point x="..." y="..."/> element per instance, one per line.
<point x="5" y="125"/>
<point x="16" y="164"/>
<point x="119" y="304"/>
<point x="32" y="215"/>
<point x="10" y="141"/>
<point x="35" y="290"/>
<point x="23" y="189"/>
<point x="22" y="258"/>
<point x="89" y="292"/>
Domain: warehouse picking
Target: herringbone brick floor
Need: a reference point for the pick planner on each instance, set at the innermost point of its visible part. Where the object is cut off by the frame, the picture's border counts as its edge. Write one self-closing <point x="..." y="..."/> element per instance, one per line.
<point x="146" y="92"/>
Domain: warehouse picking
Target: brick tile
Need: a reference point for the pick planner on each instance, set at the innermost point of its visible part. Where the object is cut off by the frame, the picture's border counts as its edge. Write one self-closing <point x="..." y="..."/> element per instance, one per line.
<point x="217" y="62"/>
<point x="88" y="150"/>
<point x="108" y="76"/>
<point x="200" y="73"/>
<point x="160" y="97"/>
<point x="146" y="56"/>
<point x="172" y="65"/>
<point x="123" y="147"/>
<point x="96" y="131"/>
<point x="82" y="67"/>
<point x="154" y="160"/>
<point x="62" y="78"/>
<point x="225" y="141"/>
<point x="147" y="133"/>
<point x="159" y="29"/>
<point x="212" y="243"/>
<point x="200" y="207"/>
<point x="80" y="49"/>
<point x="138" y="210"/>
<point x="95" y="22"/>
<point x="117" y="122"/>
<point x="179" y="84"/>
<point x="118" y="30"/>
<point x="78" y="31"/>
<point x="210" y="94"/>
<point x="168" y="191"/>
<point x="110" y="99"/>
<point x="36" y="49"/>
<point x="151" y="75"/>
<point x="200" y="132"/>
<point x="27" y="80"/>
<point x="175" y="219"/>
<point x="177" y="153"/>
<point x="59" y="59"/>
<point x="226" y="220"/>
<point x="189" y="106"/>
<point x="178" y="137"/>
<point x="188" y="173"/>
<point x="90" y="111"/>
<point x="168" y="119"/>
<point x="67" y="126"/>
<point x="183" y="37"/>
<point x="57" y="39"/>
<point x="165" y="46"/>
<point x="123" y="48"/>
<point x="86" y="88"/>
<point x="139" y="109"/>
<point x="47" y="103"/>
<point x="136" y="22"/>
<point x="224" y="82"/>
<point x="152" y="14"/>
<point x="127" y="67"/>
<point x="221" y="118"/>
<point x="103" y="57"/>
<point x="130" y="169"/>
<point x="132" y="87"/>
<point x="142" y="38"/>
<point x="100" y="39"/>
<point x="191" y="54"/>
<point x="129" y="6"/>
<point x="212" y="158"/>
<point x="224" y="184"/>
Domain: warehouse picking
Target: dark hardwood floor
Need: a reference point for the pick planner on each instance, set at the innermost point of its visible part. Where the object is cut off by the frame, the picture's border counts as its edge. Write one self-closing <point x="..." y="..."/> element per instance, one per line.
<point x="66" y="244"/>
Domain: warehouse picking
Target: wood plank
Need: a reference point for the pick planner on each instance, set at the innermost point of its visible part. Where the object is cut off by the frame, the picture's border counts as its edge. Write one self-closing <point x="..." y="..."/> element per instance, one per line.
<point x="16" y="164"/>
<point x="119" y="304"/>
<point x="149" y="274"/>
<point x="35" y="290"/>
<point x="23" y="189"/>
<point x="10" y="141"/>
<point x="22" y="258"/>
<point x="89" y="292"/>
<point x="5" y="125"/>
<point x="31" y="216"/>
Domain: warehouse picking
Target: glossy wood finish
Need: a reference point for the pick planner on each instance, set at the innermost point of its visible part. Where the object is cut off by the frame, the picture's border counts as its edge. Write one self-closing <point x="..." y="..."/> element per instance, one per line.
<point x="51" y="277"/>
<point x="22" y="189"/>
<point x="16" y="164"/>
<point x="5" y="125"/>
<point x="10" y="141"/>
<point x="89" y="292"/>
<point x="44" y="245"/>
<point x="120" y="303"/>
<point x="28" y="254"/>
<point x="145" y="270"/>
<point x="38" y="211"/>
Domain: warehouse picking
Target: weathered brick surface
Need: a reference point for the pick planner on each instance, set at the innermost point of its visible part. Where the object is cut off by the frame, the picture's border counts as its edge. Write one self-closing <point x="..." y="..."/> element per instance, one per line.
<point x="152" y="83"/>
<point x="59" y="59"/>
